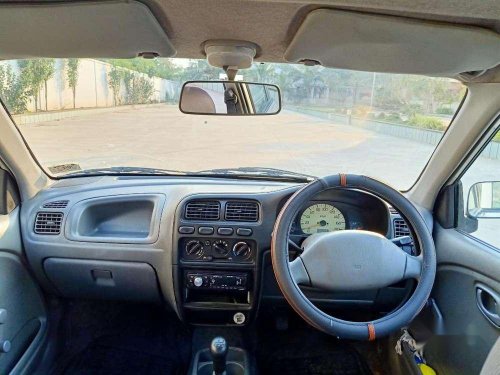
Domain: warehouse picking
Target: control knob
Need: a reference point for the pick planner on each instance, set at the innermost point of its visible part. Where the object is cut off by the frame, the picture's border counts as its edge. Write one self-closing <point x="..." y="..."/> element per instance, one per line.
<point x="198" y="281"/>
<point x="242" y="250"/>
<point x="194" y="248"/>
<point x="221" y="247"/>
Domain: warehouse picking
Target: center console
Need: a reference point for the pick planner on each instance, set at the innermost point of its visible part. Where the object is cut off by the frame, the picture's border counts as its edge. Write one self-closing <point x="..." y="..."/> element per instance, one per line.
<point x="217" y="245"/>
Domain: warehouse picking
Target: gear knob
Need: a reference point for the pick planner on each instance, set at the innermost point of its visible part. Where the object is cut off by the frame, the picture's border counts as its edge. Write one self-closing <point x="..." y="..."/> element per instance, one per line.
<point x="218" y="350"/>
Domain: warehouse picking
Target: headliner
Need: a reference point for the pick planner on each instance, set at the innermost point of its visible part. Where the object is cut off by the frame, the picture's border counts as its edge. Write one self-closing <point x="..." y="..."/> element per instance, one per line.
<point x="191" y="22"/>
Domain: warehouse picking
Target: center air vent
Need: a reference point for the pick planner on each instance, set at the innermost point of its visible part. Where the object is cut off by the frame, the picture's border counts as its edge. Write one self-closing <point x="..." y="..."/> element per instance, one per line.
<point x="401" y="228"/>
<point x="48" y="222"/>
<point x="202" y="210"/>
<point x="56" y="204"/>
<point x="242" y="211"/>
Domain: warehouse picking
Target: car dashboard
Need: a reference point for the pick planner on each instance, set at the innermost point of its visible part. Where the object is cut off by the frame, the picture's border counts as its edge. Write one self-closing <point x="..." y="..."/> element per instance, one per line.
<point x="199" y="245"/>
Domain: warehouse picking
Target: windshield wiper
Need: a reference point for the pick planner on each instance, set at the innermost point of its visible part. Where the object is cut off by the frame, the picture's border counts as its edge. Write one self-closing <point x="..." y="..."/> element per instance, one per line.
<point x="258" y="172"/>
<point x="243" y="172"/>
<point x="127" y="170"/>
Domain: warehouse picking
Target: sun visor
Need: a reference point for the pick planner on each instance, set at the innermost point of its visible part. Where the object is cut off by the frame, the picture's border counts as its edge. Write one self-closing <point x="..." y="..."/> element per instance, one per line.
<point x="349" y="40"/>
<point x="120" y="29"/>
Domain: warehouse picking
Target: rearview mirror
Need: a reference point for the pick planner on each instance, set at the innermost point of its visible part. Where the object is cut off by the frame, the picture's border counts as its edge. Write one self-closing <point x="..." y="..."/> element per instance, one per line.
<point x="230" y="98"/>
<point x="484" y="200"/>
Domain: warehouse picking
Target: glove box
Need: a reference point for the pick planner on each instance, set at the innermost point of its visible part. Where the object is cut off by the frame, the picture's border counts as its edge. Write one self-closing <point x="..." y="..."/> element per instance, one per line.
<point x="96" y="279"/>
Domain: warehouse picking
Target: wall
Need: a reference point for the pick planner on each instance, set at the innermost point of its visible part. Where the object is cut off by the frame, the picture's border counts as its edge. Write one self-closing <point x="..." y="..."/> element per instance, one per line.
<point x="92" y="88"/>
<point x="492" y="151"/>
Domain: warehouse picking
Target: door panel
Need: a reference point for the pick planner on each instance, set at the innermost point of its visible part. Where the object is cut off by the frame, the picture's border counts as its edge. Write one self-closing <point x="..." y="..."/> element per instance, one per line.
<point x="467" y="334"/>
<point x="23" y="322"/>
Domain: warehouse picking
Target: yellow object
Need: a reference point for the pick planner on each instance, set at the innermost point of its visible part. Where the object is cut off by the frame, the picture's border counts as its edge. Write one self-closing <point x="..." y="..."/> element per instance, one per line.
<point x="426" y="370"/>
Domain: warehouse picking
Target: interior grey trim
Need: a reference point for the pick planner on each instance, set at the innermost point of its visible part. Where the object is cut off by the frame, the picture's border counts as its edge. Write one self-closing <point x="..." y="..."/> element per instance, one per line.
<point x="10" y="237"/>
<point x="20" y="296"/>
<point x="455" y="249"/>
<point x="368" y="42"/>
<point x="113" y="29"/>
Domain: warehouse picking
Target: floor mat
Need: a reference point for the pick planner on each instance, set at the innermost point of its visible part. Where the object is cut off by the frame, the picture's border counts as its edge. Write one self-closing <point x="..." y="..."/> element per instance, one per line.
<point x="123" y="339"/>
<point x="305" y="351"/>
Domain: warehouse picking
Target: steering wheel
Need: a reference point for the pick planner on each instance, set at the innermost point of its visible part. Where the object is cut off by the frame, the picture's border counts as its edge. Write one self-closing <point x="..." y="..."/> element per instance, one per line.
<point x="352" y="260"/>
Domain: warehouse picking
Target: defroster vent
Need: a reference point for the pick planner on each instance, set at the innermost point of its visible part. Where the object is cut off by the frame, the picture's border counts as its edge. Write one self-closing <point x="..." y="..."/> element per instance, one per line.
<point x="48" y="222"/>
<point x="202" y="210"/>
<point x="242" y="211"/>
<point x="56" y="204"/>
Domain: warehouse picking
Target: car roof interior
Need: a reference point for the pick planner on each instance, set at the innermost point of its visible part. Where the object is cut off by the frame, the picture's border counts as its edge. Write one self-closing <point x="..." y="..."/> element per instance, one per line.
<point x="325" y="32"/>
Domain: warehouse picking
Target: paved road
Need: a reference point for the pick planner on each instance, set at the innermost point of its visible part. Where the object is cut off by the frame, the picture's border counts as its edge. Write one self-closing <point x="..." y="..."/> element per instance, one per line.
<point x="160" y="136"/>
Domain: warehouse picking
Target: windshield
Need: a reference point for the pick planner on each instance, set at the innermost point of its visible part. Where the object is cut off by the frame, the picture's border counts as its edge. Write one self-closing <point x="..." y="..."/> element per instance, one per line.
<point x="83" y="116"/>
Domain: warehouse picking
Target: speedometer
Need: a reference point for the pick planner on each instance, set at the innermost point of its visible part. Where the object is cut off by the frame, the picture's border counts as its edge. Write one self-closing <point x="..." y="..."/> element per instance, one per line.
<point x="321" y="217"/>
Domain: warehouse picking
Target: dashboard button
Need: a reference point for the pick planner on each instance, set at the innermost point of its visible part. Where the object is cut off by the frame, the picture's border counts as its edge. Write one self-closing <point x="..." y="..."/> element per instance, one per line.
<point x="205" y="230"/>
<point x="225" y="231"/>
<point x="186" y="230"/>
<point x="243" y="231"/>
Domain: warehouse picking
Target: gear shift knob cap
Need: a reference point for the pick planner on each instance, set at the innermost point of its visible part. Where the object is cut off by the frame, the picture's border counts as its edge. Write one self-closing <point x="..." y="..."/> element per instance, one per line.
<point x="219" y="349"/>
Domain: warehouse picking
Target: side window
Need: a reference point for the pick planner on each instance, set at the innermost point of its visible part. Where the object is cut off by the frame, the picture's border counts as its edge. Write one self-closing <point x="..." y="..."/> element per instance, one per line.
<point x="480" y="211"/>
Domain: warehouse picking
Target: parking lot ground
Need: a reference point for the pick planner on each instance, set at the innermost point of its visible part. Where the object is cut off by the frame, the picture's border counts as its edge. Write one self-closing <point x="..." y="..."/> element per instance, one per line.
<point x="160" y="136"/>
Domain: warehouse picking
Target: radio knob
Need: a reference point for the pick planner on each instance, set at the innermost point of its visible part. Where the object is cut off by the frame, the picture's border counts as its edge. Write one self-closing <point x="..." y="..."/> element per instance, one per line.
<point x="221" y="247"/>
<point x="194" y="247"/>
<point x="242" y="250"/>
<point x="198" y="281"/>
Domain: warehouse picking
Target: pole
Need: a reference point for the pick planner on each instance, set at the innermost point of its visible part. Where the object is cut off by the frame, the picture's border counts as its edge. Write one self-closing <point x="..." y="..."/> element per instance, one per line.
<point x="373" y="89"/>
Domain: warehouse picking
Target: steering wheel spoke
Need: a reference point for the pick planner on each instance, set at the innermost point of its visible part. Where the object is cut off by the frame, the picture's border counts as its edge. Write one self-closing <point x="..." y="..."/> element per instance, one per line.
<point x="299" y="272"/>
<point x="413" y="268"/>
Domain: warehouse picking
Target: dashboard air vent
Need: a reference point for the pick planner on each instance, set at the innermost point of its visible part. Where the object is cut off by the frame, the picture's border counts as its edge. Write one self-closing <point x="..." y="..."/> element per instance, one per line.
<point x="202" y="210"/>
<point x="242" y="211"/>
<point x="401" y="228"/>
<point x="48" y="222"/>
<point x="56" y="204"/>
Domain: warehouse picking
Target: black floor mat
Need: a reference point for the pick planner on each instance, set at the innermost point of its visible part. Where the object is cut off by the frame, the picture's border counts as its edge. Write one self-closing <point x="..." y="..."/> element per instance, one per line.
<point x="123" y="339"/>
<point x="305" y="351"/>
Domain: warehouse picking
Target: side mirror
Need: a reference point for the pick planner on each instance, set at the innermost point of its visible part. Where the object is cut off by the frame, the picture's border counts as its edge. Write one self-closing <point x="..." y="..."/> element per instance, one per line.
<point x="484" y="200"/>
<point x="229" y="98"/>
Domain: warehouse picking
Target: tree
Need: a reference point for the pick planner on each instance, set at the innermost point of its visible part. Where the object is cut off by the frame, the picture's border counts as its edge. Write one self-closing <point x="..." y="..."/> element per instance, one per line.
<point x="127" y="80"/>
<point x="114" y="82"/>
<point x="72" y="76"/>
<point x="12" y="90"/>
<point x="32" y="73"/>
<point x="47" y="71"/>
<point x="142" y="89"/>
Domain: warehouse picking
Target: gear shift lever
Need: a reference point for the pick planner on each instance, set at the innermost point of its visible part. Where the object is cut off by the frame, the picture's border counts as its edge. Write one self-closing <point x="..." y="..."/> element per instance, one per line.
<point x="218" y="350"/>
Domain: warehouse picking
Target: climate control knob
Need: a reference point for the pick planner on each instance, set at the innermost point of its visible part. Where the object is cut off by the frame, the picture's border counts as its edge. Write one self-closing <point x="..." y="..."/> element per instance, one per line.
<point x="220" y="247"/>
<point x="242" y="250"/>
<point x="194" y="248"/>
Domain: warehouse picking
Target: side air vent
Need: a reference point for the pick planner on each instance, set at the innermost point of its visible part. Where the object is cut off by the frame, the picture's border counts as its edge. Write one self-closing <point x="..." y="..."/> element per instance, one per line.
<point x="202" y="210"/>
<point x="56" y="204"/>
<point x="48" y="222"/>
<point x="242" y="211"/>
<point x="401" y="228"/>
